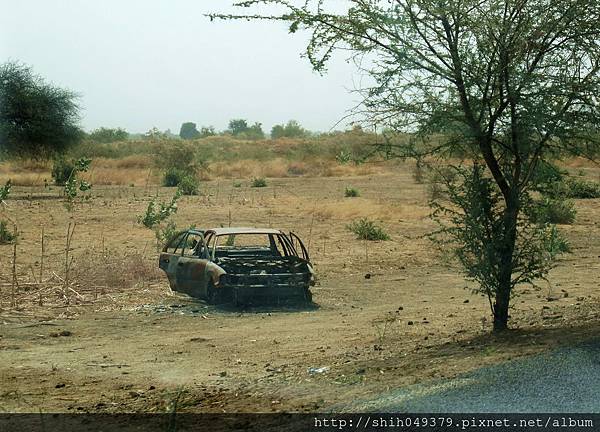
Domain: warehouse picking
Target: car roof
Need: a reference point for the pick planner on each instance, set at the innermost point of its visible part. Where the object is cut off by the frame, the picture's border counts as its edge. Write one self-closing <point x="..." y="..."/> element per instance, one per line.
<point x="243" y="230"/>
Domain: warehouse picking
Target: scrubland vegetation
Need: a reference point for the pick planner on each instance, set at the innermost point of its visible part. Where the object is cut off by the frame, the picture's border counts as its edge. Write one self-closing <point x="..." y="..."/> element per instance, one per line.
<point x="167" y="161"/>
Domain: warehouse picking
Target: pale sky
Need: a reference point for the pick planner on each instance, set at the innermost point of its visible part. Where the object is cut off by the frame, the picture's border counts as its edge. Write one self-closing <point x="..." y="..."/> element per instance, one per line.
<point x="139" y="64"/>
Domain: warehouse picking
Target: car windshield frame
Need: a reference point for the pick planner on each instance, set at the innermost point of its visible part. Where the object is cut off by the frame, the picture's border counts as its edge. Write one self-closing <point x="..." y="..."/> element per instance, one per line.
<point x="280" y="240"/>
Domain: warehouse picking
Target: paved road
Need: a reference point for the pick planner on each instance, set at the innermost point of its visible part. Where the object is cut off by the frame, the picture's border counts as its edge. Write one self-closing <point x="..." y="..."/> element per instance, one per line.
<point x="565" y="380"/>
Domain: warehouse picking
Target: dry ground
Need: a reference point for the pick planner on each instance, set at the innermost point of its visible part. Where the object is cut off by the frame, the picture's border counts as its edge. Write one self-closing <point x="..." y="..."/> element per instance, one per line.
<point x="118" y="340"/>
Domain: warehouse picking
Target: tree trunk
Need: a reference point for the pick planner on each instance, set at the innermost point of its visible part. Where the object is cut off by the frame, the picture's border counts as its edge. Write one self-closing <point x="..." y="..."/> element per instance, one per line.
<point x="502" y="300"/>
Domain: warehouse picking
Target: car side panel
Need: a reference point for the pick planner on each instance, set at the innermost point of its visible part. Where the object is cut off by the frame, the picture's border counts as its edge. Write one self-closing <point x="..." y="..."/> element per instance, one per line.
<point x="192" y="276"/>
<point x="168" y="263"/>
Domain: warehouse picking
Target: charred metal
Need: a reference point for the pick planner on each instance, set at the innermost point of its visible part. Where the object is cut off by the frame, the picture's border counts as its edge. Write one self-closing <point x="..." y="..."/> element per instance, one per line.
<point x="239" y="265"/>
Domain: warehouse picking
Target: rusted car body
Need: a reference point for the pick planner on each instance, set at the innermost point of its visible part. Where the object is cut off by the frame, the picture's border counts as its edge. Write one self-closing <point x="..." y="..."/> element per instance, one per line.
<point x="238" y="265"/>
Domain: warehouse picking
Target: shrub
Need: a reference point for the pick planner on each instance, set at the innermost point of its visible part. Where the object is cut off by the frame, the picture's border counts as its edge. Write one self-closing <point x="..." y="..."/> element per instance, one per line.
<point x="165" y="233"/>
<point x="173" y="177"/>
<point x="189" y="185"/>
<point x="579" y="188"/>
<point x="554" y="242"/>
<point x="343" y="157"/>
<point x="351" y="193"/>
<point x="259" y="182"/>
<point x="367" y="230"/>
<point x="554" y="211"/>
<point x="5" y="191"/>
<point x="153" y="217"/>
<point x="178" y="160"/>
<point x="62" y="171"/>
<point x="237" y="184"/>
<point x="6" y="236"/>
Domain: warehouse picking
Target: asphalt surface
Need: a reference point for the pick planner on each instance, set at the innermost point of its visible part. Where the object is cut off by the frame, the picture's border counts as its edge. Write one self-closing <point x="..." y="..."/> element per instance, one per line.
<point x="566" y="380"/>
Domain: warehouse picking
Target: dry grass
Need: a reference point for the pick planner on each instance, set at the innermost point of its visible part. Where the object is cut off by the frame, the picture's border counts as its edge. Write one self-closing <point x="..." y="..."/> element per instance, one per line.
<point x="121" y="177"/>
<point x="366" y="208"/>
<point x="25" y="172"/>
<point x="579" y="162"/>
<point x="114" y="271"/>
<point x="140" y="170"/>
<point x="93" y="277"/>
<point x="281" y="168"/>
<point x="25" y="179"/>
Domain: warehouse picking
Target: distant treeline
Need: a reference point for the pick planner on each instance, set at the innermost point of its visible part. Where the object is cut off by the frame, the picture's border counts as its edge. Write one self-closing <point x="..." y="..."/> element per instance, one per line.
<point x="239" y="128"/>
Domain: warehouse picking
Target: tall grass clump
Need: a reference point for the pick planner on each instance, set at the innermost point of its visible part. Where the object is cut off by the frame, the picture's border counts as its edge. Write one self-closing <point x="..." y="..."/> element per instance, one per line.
<point x="351" y="192"/>
<point x="554" y="211"/>
<point x="6" y="235"/>
<point x="259" y="182"/>
<point x="366" y="229"/>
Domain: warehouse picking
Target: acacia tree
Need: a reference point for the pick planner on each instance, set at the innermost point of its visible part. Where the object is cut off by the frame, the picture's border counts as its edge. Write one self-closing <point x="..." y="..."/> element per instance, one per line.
<point x="37" y="119"/>
<point x="514" y="80"/>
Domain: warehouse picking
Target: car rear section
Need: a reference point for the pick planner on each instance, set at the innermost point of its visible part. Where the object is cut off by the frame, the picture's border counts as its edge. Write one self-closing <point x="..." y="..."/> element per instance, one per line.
<point x="268" y="280"/>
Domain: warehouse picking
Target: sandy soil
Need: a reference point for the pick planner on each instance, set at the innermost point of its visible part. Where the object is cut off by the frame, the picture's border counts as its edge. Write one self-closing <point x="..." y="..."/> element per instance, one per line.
<point x="387" y="314"/>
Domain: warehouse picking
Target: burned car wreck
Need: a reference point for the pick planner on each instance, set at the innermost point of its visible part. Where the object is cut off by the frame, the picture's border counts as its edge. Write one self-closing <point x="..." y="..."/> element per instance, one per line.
<point x="239" y="265"/>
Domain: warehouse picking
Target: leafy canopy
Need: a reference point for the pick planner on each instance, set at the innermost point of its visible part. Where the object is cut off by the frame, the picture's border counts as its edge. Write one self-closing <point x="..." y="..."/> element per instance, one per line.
<point x="37" y="119"/>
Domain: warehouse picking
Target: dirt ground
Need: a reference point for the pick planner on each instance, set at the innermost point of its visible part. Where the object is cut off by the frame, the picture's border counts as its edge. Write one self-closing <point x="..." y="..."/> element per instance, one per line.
<point x="387" y="314"/>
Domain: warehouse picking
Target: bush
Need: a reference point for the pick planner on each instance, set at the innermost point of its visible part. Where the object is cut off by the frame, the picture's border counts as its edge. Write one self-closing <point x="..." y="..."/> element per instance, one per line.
<point x="173" y="177"/>
<point x="153" y="217"/>
<point x="5" y="190"/>
<point x="579" y="188"/>
<point x="189" y="185"/>
<point x="178" y="160"/>
<point x="554" y="211"/>
<point x="367" y="230"/>
<point x="62" y="171"/>
<point x="554" y="242"/>
<point x="351" y="193"/>
<point x="166" y="232"/>
<point x="6" y="236"/>
<point x="259" y="182"/>
<point x="343" y="157"/>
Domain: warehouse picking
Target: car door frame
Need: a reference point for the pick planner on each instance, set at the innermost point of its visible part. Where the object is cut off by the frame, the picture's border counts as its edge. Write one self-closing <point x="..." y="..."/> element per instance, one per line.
<point x="294" y="238"/>
<point x="191" y="274"/>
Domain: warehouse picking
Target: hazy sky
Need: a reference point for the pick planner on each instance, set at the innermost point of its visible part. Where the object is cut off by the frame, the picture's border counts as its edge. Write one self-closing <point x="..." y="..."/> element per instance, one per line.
<point x="139" y="64"/>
